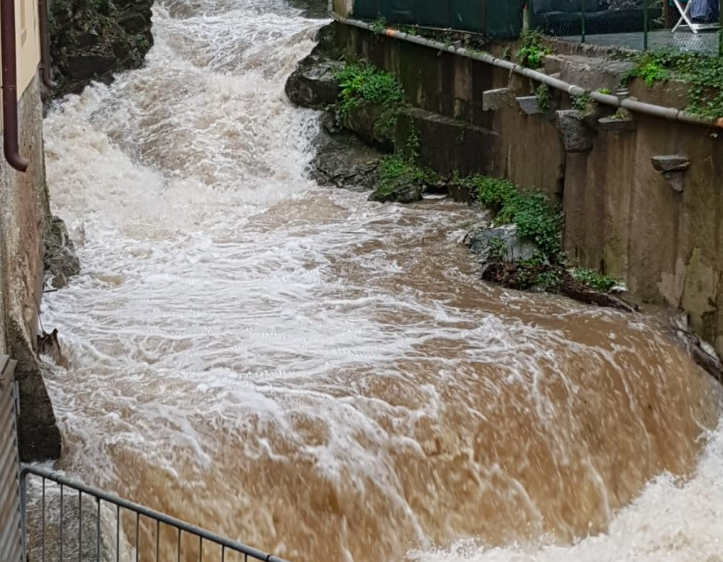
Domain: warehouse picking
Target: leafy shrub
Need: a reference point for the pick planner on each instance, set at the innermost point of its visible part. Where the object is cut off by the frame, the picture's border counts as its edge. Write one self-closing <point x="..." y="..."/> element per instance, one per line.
<point x="535" y="216"/>
<point x="532" y="51"/>
<point x="364" y="82"/>
<point x="704" y="75"/>
<point x="593" y="279"/>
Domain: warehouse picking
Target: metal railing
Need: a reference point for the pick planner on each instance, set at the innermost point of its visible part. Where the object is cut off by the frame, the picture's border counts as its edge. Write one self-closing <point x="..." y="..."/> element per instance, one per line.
<point x="67" y="520"/>
<point x="634" y="24"/>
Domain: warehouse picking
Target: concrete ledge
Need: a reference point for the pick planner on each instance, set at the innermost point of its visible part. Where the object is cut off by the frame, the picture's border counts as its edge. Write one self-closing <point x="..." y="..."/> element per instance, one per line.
<point x="448" y="145"/>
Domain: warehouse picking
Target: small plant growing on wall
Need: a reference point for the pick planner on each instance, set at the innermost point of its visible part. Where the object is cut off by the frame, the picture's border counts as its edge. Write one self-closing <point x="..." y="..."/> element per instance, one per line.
<point x="532" y="52"/>
<point x="544" y="100"/>
<point x="379" y="25"/>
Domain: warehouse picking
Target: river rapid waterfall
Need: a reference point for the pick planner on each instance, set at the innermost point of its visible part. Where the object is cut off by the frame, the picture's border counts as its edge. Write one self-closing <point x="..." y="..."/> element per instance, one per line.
<point x="326" y="378"/>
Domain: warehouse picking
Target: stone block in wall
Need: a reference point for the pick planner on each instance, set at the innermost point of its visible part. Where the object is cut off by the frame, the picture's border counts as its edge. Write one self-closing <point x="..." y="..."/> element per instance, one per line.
<point x="529" y="105"/>
<point x="576" y="137"/>
<point x="615" y="125"/>
<point x="494" y="100"/>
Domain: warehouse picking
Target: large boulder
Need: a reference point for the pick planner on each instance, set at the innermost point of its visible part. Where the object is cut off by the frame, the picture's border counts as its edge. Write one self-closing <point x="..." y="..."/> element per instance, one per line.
<point x="94" y="40"/>
<point x="314" y="84"/>
<point x="374" y="124"/>
<point x="59" y="259"/>
<point x="344" y="161"/>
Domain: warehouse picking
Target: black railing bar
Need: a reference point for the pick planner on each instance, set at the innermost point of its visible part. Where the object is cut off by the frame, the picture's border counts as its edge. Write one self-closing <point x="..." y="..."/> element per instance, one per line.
<point x="97" y="529"/>
<point x="158" y="540"/>
<point x="147" y="512"/>
<point x="117" y="533"/>
<point x="61" y="521"/>
<point x="80" y="526"/>
<point x="42" y="532"/>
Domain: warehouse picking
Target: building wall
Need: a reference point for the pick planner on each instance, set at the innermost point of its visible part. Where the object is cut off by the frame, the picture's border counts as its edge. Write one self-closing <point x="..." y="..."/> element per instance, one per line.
<point x="24" y="220"/>
<point x="28" y="41"/>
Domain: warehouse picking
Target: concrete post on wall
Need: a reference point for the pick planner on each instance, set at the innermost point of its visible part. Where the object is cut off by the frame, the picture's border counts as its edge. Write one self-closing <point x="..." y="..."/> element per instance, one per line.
<point x="343" y="7"/>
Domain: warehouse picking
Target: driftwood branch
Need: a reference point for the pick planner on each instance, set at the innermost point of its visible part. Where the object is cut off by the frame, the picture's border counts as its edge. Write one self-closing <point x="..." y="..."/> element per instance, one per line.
<point x="707" y="361"/>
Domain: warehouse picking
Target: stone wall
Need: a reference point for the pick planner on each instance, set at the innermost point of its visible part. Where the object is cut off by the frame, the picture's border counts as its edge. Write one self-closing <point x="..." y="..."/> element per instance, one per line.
<point x="622" y="216"/>
<point x="24" y="220"/>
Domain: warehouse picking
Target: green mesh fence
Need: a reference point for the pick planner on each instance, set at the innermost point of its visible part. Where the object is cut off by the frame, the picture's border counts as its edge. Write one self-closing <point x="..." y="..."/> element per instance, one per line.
<point x="495" y="18"/>
<point x="679" y="25"/>
<point x="682" y="25"/>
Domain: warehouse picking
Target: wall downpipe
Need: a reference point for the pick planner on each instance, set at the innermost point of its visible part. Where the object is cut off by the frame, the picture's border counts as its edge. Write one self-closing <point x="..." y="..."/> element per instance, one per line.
<point x="10" y="86"/>
<point x="668" y="113"/>
<point x="46" y="69"/>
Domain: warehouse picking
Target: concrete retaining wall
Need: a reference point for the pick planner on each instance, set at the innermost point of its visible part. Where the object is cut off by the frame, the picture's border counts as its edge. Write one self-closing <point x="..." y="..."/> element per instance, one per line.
<point x="622" y="216"/>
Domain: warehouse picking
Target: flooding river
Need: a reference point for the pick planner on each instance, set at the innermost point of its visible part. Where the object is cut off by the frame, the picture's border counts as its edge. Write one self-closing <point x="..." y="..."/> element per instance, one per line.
<point x="323" y="377"/>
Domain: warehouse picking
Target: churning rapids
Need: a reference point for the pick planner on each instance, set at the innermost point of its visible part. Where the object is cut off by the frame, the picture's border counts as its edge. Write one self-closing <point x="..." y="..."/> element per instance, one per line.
<point x="323" y="377"/>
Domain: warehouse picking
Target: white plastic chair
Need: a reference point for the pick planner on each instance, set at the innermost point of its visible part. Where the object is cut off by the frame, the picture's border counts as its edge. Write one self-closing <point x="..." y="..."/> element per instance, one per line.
<point x="684" y="7"/>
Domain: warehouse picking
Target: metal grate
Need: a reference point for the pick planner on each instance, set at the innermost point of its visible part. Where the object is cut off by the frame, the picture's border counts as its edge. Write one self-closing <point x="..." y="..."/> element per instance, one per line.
<point x="67" y="520"/>
<point x="11" y="536"/>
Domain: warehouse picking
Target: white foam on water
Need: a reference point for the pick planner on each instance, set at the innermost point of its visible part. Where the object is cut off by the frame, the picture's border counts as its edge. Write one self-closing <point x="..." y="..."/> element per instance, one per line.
<point x="325" y="377"/>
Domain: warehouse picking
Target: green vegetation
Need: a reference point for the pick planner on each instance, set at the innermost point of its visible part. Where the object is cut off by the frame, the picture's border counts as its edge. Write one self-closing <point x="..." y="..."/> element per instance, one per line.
<point x="362" y="83"/>
<point x="605" y="91"/>
<point x="532" y="51"/>
<point x="379" y="25"/>
<point x="581" y="102"/>
<point x="703" y="74"/>
<point x="539" y="220"/>
<point x="544" y="100"/>
<point x="593" y="279"/>
<point x="396" y="169"/>
<point x="535" y="216"/>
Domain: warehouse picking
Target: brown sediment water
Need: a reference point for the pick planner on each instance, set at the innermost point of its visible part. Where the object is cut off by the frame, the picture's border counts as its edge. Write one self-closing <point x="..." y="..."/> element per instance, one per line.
<point x="326" y="378"/>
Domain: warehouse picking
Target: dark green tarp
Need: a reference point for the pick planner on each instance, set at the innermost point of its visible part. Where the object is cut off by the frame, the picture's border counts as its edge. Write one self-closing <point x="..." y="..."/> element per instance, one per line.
<point x="497" y="18"/>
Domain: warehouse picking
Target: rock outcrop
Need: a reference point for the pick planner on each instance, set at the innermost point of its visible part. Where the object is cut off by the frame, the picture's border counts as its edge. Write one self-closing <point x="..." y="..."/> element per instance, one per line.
<point x="59" y="259"/>
<point x="344" y="161"/>
<point x="93" y="40"/>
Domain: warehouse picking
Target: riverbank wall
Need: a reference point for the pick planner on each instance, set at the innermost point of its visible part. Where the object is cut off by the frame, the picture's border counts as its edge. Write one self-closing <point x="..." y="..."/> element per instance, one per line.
<point x="24" y="224"/>
<point x="641" y="194"/>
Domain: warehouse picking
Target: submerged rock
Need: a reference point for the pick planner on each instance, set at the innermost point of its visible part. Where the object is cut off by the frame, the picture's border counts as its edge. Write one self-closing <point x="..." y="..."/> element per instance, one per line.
<point x="59" y="259"/>
<point x="399" y="192"/>
<point x="482" y="238"/>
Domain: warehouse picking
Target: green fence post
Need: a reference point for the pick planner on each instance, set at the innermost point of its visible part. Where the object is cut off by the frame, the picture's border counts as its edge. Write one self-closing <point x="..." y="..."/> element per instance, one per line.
<point x="582" y="21"/>
<point x="645" y="25"/>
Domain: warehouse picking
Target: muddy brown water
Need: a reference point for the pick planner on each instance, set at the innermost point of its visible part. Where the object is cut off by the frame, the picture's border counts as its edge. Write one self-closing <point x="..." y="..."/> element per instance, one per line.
<point x="326" y="378"/>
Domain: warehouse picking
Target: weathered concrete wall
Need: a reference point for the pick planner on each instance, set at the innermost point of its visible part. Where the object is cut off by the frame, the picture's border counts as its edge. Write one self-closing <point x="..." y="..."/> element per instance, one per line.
<point x="24" y="218"/>
<point x="622" y="216"/>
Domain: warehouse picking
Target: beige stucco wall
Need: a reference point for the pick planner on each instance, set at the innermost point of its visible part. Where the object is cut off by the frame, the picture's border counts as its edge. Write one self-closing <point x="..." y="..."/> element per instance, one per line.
<point x="28" y="41"/>
<point x="27" y="27"/>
